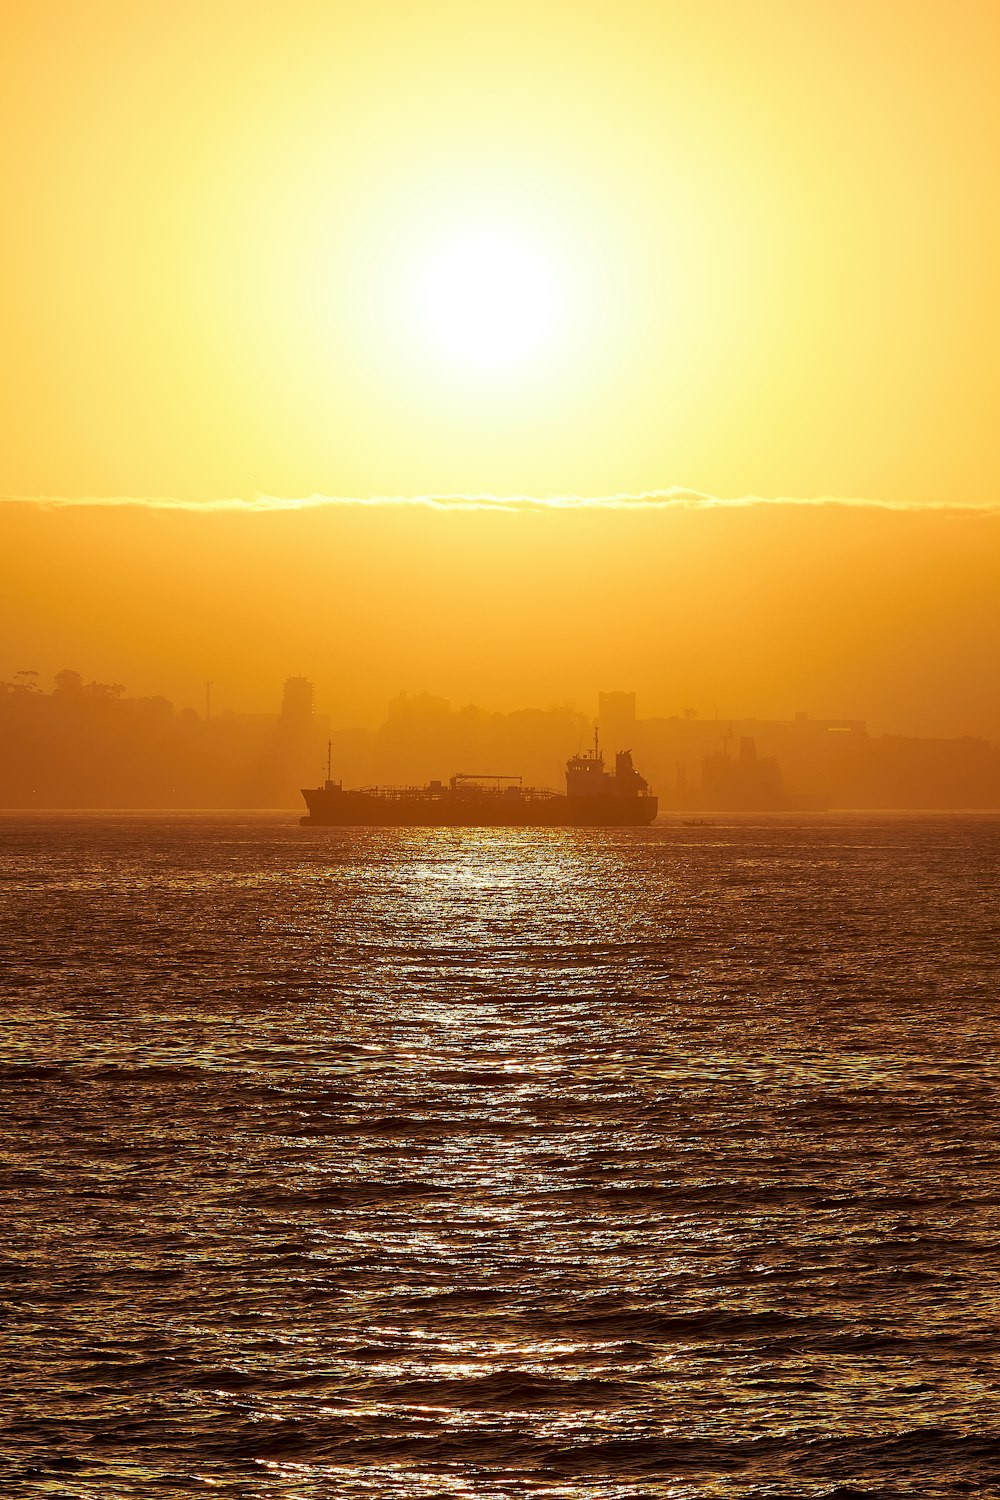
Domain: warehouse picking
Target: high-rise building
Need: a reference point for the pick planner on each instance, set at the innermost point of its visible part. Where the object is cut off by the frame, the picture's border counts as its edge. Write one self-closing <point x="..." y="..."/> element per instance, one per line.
<point x="616" y="720"/>
<point x="297" y="699"/>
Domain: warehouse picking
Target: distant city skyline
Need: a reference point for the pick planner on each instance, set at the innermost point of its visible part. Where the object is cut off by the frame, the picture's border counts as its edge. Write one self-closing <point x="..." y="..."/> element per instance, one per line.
<point x="90" y="744"/>
<point x="298" y="698"/>
<point x="890" y="617"/>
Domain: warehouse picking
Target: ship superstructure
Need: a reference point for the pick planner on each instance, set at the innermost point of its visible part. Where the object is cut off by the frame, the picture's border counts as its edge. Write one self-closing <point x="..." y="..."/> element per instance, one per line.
<point x="594" y="797"/>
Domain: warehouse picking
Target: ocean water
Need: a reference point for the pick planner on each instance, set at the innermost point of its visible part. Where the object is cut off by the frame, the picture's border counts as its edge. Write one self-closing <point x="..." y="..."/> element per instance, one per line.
<point x="471" y="1163"/>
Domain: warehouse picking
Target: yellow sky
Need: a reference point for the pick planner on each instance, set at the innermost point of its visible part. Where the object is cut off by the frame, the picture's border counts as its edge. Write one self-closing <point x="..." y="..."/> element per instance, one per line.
<point x="542" y="248"/>
<point x="772" y="229"/>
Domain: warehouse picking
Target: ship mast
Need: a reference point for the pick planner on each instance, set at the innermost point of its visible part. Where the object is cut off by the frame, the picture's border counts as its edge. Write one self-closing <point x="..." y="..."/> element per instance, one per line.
<point x="329" y="760"/>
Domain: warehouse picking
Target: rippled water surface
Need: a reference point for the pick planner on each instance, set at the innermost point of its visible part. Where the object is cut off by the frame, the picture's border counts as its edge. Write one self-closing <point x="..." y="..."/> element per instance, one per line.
<point x="470" y="1163"/>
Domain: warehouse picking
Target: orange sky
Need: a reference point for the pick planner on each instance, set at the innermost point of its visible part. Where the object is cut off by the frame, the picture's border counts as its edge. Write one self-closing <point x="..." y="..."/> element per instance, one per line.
<point x="547" y="249"/>
<point x="889" y="616"/>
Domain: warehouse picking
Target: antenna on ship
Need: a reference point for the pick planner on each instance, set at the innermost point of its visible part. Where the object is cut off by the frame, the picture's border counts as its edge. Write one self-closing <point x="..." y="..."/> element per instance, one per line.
<point x="597" y="747"/>
<point x="329" y="760"/>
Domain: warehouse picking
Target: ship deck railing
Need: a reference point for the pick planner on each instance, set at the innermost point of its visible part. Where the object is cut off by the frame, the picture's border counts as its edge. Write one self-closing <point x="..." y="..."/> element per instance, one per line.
<point x="449" y="794"/>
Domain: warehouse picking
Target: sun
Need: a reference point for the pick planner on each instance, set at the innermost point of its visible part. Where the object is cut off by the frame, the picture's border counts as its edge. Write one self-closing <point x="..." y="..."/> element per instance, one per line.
<point x="489" y="299"/>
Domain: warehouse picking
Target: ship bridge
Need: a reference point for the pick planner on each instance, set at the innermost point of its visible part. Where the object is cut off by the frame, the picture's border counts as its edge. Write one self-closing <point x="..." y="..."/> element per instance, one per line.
<point x="587" y="775"/>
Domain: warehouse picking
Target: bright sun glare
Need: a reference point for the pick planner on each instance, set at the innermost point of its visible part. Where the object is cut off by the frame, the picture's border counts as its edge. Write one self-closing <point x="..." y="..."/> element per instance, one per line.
<point x="489" y="299"/>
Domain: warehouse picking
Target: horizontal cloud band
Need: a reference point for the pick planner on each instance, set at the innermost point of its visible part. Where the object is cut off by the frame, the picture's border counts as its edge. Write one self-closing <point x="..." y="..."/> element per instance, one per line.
<point x="671" y="499"/>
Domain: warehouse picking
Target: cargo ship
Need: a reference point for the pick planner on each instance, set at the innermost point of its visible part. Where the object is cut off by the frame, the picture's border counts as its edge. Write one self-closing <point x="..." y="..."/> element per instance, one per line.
<point x="595" y="797"/>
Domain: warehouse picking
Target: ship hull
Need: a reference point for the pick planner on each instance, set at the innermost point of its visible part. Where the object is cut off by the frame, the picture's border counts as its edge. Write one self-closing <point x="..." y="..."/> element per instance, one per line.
<point x="346" y="809"/>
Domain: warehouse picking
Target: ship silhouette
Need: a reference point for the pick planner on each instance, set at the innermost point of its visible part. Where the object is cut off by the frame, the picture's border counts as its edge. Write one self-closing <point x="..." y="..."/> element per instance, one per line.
<point x="594" y="798"/>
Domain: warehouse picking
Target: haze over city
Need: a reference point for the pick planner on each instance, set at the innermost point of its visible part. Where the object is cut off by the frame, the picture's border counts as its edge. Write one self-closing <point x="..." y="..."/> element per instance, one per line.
<point x="763" y="610"/>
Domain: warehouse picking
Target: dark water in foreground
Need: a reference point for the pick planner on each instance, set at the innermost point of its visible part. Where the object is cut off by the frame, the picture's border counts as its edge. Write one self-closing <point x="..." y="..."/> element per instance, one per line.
<point x="447" y="1163"/>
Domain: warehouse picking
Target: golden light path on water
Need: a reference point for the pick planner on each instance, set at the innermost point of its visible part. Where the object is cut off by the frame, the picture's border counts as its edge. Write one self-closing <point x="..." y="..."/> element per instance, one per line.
<point x="503" y="1163"/>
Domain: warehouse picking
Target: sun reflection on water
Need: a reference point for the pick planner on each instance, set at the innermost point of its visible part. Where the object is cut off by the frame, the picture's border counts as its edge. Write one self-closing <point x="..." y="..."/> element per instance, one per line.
<point x="514" y="1164"/>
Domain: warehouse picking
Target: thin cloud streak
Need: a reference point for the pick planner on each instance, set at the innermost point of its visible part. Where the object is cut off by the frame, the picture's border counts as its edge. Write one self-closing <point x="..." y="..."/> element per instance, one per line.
<point x="653" y="500"/>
